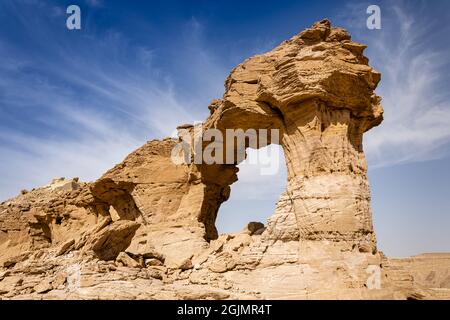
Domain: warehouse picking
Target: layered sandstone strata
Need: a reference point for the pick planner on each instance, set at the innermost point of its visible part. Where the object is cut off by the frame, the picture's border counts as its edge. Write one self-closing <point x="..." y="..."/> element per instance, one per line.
<point x="148" y="224"/>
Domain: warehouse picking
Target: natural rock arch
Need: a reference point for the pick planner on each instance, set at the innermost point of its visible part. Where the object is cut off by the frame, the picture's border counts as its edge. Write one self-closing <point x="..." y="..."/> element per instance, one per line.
<point x="317" y="89"/>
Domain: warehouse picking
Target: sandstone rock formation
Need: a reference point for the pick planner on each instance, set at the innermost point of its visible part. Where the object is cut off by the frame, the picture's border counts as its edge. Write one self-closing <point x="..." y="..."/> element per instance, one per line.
<point x="146" y="228"/>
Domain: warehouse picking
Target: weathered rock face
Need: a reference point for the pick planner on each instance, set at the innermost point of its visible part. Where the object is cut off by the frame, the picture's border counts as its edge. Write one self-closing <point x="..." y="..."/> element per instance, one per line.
<point x="148" y="224"/>
<point x="318" y="90"/>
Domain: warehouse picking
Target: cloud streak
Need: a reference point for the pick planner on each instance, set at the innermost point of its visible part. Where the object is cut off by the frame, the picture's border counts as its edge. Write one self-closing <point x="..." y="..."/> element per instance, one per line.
<point x="413" y="57"/>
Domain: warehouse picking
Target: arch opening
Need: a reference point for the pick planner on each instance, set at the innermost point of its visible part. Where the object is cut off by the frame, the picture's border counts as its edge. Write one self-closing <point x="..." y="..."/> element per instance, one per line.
<point x="262" y="178"/>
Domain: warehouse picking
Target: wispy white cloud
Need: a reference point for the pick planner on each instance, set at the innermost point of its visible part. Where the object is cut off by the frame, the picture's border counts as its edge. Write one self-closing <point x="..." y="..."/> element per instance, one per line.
<point x="413" y="57"/>
<point x="89" y="100"/>
<point x="412" y="52"/>
<point x="29" y="162"/>
<point x="109" y="96"/>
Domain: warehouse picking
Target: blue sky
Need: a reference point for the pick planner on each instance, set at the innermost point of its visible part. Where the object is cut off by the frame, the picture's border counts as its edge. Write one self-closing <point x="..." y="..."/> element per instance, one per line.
<point x="74" y="103"/>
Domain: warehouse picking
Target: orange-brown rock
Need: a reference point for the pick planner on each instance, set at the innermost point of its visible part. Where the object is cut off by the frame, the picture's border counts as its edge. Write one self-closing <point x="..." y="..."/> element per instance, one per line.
<point x="146" y="228"/>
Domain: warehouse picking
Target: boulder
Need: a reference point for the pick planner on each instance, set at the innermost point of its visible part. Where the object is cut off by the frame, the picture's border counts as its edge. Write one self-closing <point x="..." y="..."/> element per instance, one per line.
<point x="252" y="227"/>
<point x="127" y="261"/>
<point x="153" y="262"/>
<point x="43" y="287"/>
<point x="65" y="247"/>
<point x="224" y="262"/>
<point x="113" y="239"/>
<point x="144" y="249"/>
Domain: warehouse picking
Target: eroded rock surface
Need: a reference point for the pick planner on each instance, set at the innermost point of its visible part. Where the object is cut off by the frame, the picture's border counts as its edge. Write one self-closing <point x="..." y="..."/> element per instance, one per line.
<point x="146" y="228"/>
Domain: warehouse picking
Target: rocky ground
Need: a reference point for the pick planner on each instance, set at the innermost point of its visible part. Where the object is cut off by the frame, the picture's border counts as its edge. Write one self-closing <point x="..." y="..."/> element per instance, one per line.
<point x="234" y="266"/>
